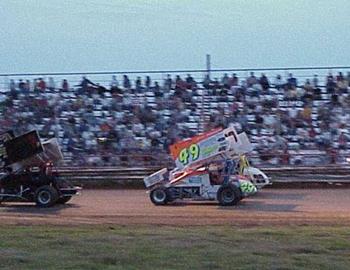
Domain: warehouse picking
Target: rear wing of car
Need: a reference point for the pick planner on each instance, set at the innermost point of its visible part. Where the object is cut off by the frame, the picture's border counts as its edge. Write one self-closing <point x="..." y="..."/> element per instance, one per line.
<point x="23" y="147"/>
<point x="28" y="150"/>
<point x="206" y="147"/>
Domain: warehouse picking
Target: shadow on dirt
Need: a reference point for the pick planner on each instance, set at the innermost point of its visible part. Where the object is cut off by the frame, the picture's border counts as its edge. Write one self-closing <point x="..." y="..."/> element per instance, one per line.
<point x="260" y="206"/>
<point x="188" y="203"/>
<point x="274" y="196"/>
<point x="28" y="208"/>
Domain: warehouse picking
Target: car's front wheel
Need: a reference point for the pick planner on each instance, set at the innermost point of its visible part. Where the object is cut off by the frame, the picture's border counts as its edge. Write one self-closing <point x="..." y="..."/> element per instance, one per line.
<point x="159" y="196"/>
<point x="228" y="195"/>
<point x="46" y="196"/>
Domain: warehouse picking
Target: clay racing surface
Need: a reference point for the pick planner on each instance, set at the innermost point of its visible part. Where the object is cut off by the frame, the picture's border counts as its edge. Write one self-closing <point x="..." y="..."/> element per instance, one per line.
<point x="269" y="207"/>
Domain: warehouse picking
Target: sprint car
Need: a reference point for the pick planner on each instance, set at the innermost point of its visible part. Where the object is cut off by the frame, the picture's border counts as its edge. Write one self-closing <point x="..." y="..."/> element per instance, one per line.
<point x="206" y="169"/>
<point x="211" y="182"/>
<point x="27" y="171"/>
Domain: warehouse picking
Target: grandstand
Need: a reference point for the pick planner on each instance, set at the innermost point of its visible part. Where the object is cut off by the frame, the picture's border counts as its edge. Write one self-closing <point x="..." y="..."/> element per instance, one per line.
<point x="291" y="119"/>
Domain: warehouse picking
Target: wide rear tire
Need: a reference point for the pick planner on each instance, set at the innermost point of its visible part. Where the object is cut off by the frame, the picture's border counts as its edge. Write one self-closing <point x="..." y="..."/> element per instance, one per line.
<point x="228" y="195"/>
<point x="46" y="196"/>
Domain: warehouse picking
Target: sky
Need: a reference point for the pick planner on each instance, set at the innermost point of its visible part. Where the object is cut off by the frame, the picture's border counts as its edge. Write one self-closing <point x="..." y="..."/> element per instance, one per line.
<point x="124" y="35"/>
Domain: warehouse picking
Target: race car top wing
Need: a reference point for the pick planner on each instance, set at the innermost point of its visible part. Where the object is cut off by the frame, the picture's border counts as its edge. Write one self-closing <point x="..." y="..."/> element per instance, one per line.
<point x="52" y="151"/>
<point x="245" y="145"/>
<point x="23" y="147"/>
<point x="205" y="147"/>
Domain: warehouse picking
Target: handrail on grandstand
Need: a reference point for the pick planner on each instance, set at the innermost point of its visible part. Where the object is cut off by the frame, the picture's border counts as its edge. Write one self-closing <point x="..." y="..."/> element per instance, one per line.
<point x="173" y="71"/>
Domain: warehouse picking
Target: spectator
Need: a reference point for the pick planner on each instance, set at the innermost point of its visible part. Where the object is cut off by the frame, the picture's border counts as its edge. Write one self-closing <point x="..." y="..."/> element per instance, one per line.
<point x="225" y="81"/>
<point x="348" y="77"/>
<point x="279" y="84"/>
<point x="114" y="82"/>
<point x="292" y="82"/>
<point x="315" y="81"/>
<point x="51" y="84"/>
<point x="264" y="82"/>
<point x="65" y="86"/>
<point x="306" y="114"/>
<point x="21" y="86"/>
<point x="342" y="84"/>
<point x="330" y="84"/>
<point x="84" y="86"/>
<point x="343" y="141"/>
<point x="157" y="90"/>
<point x="259" y="120"/>
<point x="126" y="82"/>
<point x="12" y="86"/>
<point x="148" y="83"/>
<point x="168" y="82"/>
<point x="308" y="94"/>
<point x="26" y="88"/>
<point x="41" y="85"/>
<point x="206" y="82"/>
<point x="138" y="85"/>
<point x="251" y="80"/>
<point x="233" y="81"/>
<point x="179" y="83"/>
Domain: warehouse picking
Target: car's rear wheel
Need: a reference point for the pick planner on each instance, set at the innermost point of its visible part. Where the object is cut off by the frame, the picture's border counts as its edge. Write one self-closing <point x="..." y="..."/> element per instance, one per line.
<point x="46" y="196"/>
<point x="228" y="195"/>
<point x="159" y="196"/>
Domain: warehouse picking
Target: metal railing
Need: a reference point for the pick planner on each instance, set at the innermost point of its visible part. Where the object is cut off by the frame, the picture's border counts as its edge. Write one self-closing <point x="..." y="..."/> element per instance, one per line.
<point x="162" y="159"/>
<point x="104" y="77"/>
<point x="135" y="175"/>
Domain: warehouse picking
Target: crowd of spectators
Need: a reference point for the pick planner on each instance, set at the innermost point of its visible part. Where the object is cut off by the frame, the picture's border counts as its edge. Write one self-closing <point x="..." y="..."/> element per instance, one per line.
<point x="136" y="120"/>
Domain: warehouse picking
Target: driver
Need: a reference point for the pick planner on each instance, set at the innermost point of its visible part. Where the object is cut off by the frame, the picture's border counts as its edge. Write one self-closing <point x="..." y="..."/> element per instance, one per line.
<point x="215" y="173"/>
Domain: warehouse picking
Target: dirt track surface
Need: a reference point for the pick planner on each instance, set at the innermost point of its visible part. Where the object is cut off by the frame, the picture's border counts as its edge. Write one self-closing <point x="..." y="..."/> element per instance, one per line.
<point x="269" y="207"/>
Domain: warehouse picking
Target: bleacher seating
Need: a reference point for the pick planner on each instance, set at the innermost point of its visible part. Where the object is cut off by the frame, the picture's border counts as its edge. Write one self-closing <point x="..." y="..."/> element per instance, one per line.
<point x="95" y="126"/>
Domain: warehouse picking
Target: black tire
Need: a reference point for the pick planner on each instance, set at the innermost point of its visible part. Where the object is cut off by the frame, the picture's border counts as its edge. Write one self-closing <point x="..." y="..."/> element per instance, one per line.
<point x="159" y="196"/>
<point x="46" y="196"/>
<point x="228" y="195"/>
<point x="63" y="200"/>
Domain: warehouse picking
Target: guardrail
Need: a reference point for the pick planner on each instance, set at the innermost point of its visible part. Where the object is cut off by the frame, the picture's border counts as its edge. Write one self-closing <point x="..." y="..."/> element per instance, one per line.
<point x="117" y="175"/>
<point x="104" y="77"/>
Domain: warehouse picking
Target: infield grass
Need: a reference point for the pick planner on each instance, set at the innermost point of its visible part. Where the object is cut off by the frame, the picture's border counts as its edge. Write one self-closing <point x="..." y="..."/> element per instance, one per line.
<point x="164" y="247"/>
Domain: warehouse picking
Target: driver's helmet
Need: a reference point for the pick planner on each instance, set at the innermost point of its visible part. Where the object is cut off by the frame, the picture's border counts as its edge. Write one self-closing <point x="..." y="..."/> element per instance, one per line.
<point x="216" y="166"/>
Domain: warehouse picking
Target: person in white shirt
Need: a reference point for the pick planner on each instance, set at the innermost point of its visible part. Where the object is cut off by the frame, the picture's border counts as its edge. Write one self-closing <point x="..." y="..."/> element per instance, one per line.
<point x="114" y="82"/>
<point x="293" y="112"/>
<point x="278" y="82"/>
<point x="51" y="84"/>
<point x="269" y="120"/>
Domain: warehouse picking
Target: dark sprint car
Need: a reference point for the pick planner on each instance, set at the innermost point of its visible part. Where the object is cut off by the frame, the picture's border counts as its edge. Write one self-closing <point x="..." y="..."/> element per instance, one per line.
<point x="28" y="176"/>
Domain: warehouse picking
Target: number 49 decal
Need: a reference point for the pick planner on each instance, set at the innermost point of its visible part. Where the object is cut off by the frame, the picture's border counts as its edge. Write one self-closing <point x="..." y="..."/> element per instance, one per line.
<point x="186" y="153"/>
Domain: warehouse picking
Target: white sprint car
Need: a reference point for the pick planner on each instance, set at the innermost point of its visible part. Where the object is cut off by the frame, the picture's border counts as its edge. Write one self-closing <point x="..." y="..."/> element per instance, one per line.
<point x="206" y="169"/>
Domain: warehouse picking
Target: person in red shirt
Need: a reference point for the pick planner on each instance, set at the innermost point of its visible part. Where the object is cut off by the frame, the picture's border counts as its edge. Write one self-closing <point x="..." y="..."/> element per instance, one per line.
<point x="333" y="154"/>
<point x="41" y="85"/>
<point x="285" y="157"/>
<point x="312" y="134"/>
